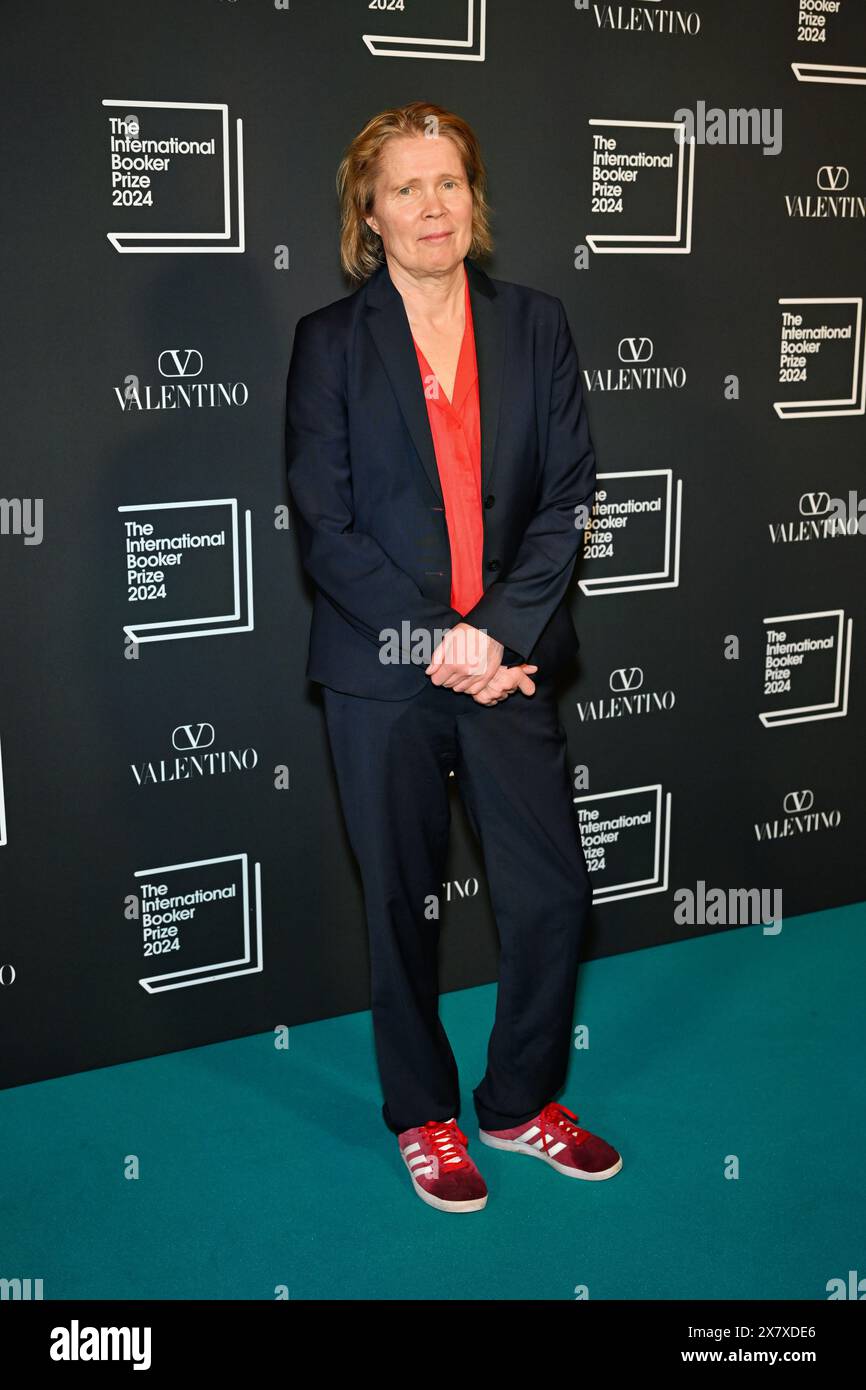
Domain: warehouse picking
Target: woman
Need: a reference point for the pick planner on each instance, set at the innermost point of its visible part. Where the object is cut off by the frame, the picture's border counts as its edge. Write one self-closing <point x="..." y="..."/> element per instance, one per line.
<point x="442" y="471"/>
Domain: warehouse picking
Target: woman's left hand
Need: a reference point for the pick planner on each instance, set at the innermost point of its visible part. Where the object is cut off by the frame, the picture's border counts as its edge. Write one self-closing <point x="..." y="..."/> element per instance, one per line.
<point x="504" y="683"/>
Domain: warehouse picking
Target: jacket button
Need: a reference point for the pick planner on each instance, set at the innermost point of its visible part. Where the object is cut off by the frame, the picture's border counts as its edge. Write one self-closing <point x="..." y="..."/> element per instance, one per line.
<point x="493" y="564"/>
<point x="489" y="500"/>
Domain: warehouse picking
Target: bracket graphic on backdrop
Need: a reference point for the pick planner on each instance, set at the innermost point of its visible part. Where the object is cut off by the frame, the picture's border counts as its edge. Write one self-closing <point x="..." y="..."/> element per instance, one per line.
<point x="222" y="936"/>
<point x="231" y="238"/>
<point x="633" y="860"/>
<point x="201" y="581"/>
<point x="3" y="839"/>
<point x="459" y="50"/>
<point x="665" y="573"/>
<point x="830" y="72"/>
<point x="852" y="403"/>
<point x="833" y="642"/>
<point x="677" y="242"/>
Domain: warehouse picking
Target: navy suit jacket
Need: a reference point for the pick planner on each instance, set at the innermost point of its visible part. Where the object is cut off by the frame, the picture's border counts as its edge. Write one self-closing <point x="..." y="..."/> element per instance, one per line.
<point x="368" y="504"/>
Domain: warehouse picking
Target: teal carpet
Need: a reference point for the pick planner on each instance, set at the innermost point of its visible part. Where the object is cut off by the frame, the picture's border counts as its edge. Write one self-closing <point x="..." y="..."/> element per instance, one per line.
<point x="262" y="1168"/>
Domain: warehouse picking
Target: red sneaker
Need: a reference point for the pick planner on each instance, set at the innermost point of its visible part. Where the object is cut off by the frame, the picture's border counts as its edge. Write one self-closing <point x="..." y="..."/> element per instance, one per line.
<point x="442" y="1172"/>
<point x="551" y="1136"/>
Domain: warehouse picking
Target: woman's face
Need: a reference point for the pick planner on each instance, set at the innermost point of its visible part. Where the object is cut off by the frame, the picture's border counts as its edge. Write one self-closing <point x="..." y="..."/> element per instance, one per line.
<point x="423" y="203"/>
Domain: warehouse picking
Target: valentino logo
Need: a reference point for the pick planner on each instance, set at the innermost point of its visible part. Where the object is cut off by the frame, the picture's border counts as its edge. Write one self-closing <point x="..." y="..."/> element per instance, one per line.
<point x="188" y="736"/>
<point x="799" y="818"/>
<point x="831" y="200"/>
<point x="468" y="888"/>
<point x="641" y="19"/>
<point x="814" y="503"/>
<point x="626" y="678"/>
<point x="635" y="349"/>
<point x="180" y="388"/>
<point x="627" y="697"/>
<point x="192" y="760"/>
<point x="824" y="518"/>
<point x="635" y="353"/>
<point x="832" y="178"/>
<point x="794" y="802"/>
<point x="184" y="362"/>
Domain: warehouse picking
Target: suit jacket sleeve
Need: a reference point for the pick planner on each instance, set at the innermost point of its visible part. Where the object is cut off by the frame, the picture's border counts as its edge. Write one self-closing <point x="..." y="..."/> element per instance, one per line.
<point x="517" y="607"/>
<point x="349" y="567"/>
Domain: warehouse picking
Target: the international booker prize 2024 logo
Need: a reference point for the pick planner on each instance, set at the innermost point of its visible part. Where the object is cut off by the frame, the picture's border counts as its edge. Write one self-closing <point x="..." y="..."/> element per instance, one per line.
<point x="188" y="562"/>
<point x="177" y="178"/>
<point x="807" y="666"/>
<point x="197" y="920"/>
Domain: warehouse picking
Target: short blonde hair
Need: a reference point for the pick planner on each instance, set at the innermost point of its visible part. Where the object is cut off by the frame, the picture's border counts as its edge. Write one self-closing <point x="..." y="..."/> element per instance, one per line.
<point x="361" y="249"/>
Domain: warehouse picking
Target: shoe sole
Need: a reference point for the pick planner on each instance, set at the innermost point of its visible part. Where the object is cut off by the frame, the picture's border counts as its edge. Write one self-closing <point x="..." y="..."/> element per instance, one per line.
<point x="515" y="1146"/>
<point x="473" y="1204"/>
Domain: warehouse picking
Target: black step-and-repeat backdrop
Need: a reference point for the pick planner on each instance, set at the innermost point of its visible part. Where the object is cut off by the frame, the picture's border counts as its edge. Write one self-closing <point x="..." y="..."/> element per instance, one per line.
<point x="691" y="181"/>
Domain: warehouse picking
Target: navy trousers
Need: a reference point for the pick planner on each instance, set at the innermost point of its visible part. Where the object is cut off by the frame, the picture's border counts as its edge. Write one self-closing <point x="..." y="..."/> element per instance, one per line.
<point x="392" y="760"/>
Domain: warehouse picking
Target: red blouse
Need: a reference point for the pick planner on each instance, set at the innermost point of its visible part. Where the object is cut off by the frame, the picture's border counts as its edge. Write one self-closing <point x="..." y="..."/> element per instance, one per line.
<point x="456" y="429"/>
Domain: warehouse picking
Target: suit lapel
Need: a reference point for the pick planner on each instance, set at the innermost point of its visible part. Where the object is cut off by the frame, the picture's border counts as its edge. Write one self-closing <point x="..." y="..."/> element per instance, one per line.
<point x="388" y="323"/>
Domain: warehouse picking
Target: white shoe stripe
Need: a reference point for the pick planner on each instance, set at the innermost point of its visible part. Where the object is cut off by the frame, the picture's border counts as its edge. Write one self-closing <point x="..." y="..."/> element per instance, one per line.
<point x="528" y="1134"/>
<point x="410" y="1148"/>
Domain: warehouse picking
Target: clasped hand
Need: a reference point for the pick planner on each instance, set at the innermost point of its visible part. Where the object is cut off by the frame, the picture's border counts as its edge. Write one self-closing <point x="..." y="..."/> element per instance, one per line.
<point x="469" y="662"/>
